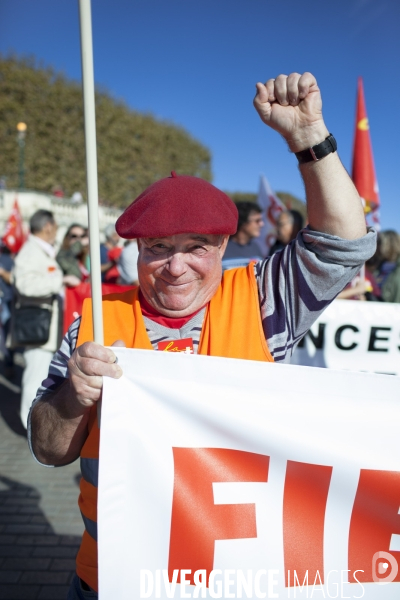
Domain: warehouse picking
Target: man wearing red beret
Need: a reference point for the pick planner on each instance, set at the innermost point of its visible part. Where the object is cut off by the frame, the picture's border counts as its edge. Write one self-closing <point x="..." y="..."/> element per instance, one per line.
<point x="259" y="312"/>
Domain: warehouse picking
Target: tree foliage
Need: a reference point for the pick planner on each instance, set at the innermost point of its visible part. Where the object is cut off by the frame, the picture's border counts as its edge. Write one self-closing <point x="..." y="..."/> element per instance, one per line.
<point x="242" y="196"/>
<point x="133" y="149"/>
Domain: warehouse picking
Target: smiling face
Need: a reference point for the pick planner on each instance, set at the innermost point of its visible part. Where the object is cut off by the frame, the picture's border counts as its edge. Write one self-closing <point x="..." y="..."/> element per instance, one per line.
<point x="179" y="274"/>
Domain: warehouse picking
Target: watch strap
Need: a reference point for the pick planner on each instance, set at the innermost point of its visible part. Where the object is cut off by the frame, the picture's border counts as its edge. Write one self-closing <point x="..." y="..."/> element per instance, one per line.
<point x="318" y="151"/>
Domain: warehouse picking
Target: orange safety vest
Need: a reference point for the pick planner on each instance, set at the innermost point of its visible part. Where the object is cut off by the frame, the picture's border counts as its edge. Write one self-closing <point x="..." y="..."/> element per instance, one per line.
<point x="232" y="328"/>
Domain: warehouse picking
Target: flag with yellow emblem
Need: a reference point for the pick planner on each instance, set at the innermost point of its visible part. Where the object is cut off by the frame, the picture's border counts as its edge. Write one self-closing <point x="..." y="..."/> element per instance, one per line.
<point x="363" y="171"/>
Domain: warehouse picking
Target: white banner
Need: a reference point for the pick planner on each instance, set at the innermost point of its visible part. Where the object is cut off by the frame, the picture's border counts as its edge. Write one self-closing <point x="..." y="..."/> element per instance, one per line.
<point x="224" y="478"/>
<point x="356" y="336"/>
<point x="272" y="208"/>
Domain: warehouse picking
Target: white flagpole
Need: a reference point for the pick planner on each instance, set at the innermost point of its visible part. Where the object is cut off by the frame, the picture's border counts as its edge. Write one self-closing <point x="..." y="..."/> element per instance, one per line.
<point x="91" y="165"/>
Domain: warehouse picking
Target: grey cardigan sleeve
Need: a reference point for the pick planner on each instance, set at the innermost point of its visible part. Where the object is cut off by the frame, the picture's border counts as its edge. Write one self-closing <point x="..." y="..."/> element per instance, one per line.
<point x="296" y="284"/>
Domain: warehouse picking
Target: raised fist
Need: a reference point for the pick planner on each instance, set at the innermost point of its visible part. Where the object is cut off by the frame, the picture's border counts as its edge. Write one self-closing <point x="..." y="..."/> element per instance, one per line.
<point x="292" y="105"/>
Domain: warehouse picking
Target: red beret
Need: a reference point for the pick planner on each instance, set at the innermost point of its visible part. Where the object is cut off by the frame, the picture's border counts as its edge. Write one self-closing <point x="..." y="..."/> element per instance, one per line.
<point x="181" y="204"/>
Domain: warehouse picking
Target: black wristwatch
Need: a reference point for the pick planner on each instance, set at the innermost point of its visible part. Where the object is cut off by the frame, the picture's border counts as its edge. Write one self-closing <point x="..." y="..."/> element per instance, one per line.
<point x="318" y="151"/>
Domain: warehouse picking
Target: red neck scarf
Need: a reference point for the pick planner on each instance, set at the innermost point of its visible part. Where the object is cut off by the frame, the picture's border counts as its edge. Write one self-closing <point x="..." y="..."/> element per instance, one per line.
<point x="171" y="322"/>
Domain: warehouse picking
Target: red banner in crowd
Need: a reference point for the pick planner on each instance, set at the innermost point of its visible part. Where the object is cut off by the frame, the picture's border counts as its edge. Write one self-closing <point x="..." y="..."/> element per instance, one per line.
<point x="74" y="298"/>
<point x="14" y="234"/>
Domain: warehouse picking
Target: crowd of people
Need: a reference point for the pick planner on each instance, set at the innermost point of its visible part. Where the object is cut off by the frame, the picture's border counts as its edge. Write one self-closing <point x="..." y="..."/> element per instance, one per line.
<point x="384" y="267"/>
<point x="32" y="288"/>
<point x="378" y="281"/>
<point x="38" y="275"/>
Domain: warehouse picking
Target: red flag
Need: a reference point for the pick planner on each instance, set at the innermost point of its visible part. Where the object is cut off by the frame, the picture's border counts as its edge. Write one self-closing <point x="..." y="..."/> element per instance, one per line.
<point x="363" y="172"/>
<point x="14" y="236"/>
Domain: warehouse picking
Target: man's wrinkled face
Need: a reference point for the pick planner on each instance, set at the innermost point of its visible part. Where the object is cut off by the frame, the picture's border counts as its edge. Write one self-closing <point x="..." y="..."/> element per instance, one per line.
<point x="179" y="274"/>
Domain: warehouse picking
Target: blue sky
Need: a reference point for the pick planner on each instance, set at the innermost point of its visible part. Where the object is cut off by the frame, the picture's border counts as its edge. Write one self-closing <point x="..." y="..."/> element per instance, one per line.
<point x="196" y="64"/>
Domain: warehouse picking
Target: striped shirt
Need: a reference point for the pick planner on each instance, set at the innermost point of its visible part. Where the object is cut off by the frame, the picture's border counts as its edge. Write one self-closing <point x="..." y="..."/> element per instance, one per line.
<point x="295" y="285"/>
<point x="192" y="329"/>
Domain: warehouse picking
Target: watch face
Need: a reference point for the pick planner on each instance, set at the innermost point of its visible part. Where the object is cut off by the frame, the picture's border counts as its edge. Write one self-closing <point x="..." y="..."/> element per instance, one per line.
<point x="333" y="142"/>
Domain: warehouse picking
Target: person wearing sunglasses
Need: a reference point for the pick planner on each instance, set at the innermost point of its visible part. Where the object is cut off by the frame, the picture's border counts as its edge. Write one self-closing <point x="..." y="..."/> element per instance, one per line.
<point x="242" y="247"/>
<point x="73" y="254"/>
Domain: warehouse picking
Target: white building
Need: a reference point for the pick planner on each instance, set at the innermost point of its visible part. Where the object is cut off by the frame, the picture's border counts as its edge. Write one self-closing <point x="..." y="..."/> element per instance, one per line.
<point x="65" y="211"/>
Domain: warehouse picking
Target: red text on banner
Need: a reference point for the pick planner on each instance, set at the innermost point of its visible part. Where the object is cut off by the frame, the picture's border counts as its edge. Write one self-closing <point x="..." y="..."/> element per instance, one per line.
<point x="196" y="521"/>
<point x="375" y="518"/>
<point x="304" y="504"/>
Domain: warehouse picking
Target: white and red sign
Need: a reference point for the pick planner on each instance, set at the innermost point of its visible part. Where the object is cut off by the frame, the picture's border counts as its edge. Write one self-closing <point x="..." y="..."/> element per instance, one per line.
<point x="224" y="478"/>
<point x="355" y="336"/>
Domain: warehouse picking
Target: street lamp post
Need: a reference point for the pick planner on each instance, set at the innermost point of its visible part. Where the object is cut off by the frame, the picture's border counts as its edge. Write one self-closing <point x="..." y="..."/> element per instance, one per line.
<point x="21" y="128"/>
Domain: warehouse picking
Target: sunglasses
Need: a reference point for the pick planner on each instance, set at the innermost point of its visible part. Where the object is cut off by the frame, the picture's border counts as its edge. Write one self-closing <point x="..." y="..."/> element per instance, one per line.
<point x="74" y="236"/>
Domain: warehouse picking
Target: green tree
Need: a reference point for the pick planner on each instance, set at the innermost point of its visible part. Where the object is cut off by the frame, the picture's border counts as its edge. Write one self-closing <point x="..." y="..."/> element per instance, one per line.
<point x="133" y="149"/>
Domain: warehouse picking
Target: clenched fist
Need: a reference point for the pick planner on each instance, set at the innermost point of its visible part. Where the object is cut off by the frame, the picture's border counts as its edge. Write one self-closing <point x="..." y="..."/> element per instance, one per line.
<point x="292" y="105"/>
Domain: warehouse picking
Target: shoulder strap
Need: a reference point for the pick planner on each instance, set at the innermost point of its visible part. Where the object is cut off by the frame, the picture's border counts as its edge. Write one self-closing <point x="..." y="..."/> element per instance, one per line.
<point x="232" y="327"/>
<point x="122" y="320"/>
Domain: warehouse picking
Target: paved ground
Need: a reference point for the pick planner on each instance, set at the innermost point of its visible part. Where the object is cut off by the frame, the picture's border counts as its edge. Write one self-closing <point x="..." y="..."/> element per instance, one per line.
<point x="40" y="524"/>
